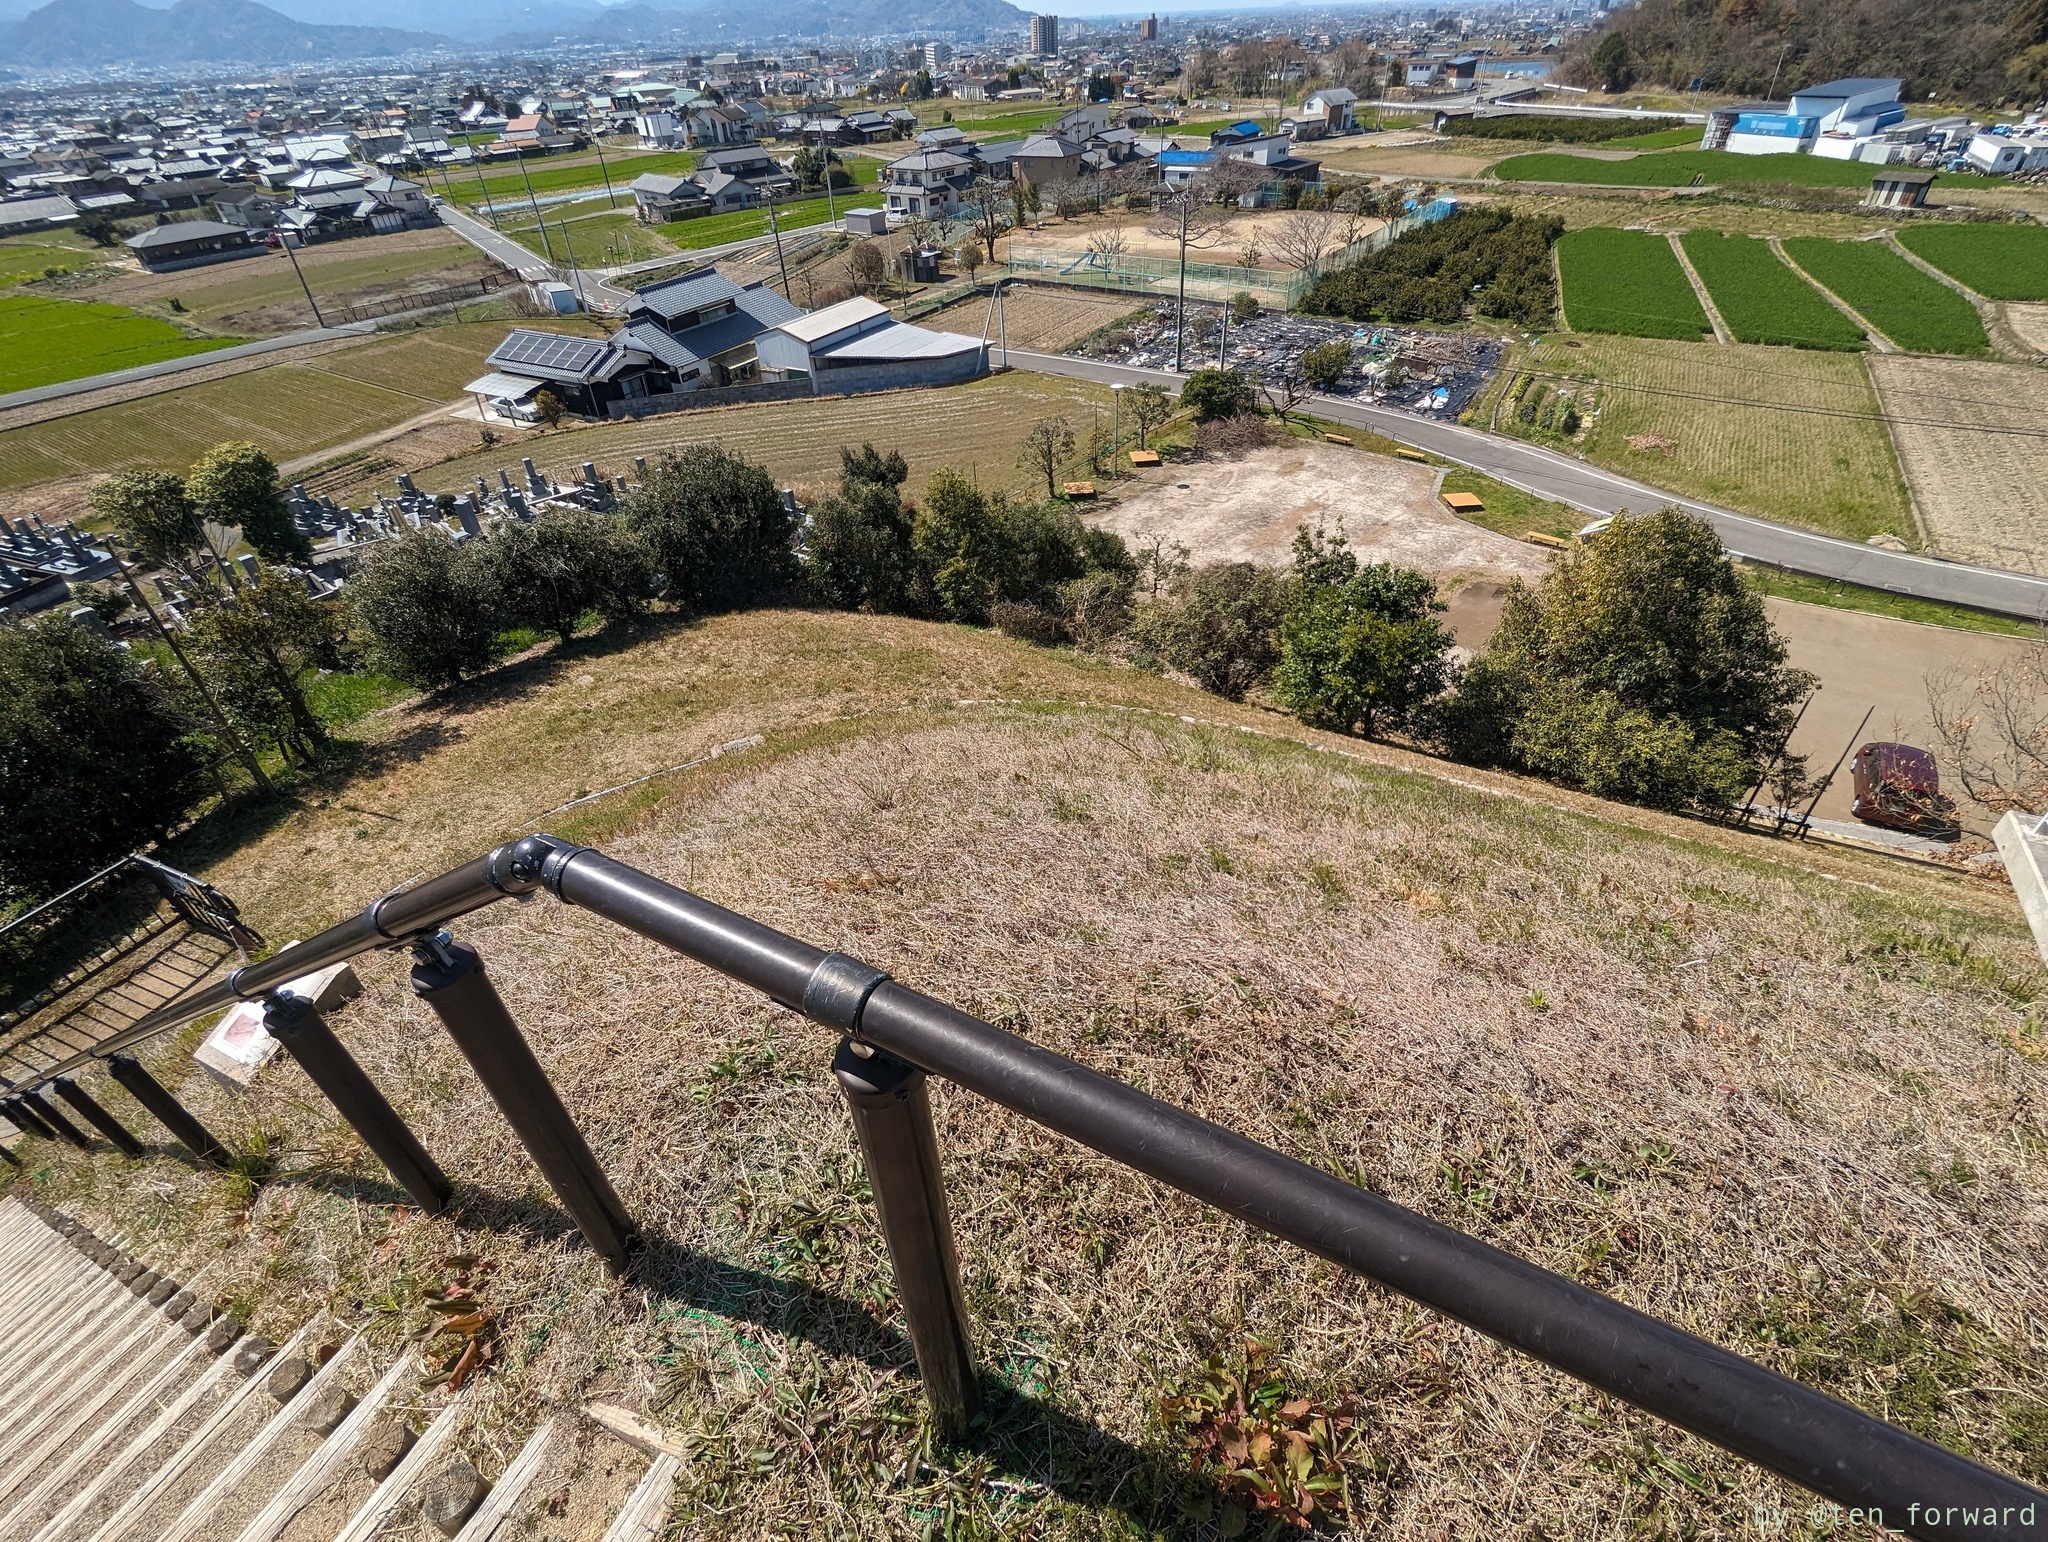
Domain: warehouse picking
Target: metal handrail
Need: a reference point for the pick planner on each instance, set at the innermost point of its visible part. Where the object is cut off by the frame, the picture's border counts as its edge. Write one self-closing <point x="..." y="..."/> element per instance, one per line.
<point x="892" y="1035"/>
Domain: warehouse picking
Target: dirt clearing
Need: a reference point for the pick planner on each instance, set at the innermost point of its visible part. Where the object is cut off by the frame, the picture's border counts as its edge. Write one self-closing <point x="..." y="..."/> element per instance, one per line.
<point x="1247" y="510"/>
<point x="1971" y="436"/>
<point x="1041" y="318"/>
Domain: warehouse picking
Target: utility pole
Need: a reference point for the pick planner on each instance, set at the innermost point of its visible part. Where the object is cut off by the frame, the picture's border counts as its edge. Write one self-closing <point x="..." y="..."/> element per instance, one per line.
<point x="831" y="207"/>
<point x="534" y="204"/>
<point x="484" y="191"/>
<point x="611" y="198"/>
<point x="775" y="230"/>
<point x="284" y="240"/>
<point x="575" y="277"/>
<point x="242" y="752"/>
<point x="1180" y="325"/>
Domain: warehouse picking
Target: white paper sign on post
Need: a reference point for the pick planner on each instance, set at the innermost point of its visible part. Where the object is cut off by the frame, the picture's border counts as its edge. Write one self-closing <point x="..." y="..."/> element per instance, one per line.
<point x="239" y="1045"/>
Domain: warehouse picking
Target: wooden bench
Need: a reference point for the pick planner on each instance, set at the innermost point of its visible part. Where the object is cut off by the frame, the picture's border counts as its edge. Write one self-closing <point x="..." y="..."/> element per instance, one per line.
<point x="1079" y="489"/>
<point x="1145" y="458"/>
<point x="1464" y="503"/>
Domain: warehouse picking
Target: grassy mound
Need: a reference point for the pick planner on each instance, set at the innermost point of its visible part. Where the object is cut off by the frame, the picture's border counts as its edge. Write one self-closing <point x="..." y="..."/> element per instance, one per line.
<point x="1797" y="1105"/>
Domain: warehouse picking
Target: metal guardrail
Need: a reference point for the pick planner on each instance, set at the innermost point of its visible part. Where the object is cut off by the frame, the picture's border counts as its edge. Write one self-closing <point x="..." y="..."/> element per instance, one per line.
<point x="892" y="1038"/>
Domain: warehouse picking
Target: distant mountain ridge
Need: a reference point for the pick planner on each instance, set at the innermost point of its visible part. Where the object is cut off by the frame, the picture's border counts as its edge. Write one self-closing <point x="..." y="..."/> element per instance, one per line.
<point x="93" y="34"/>
<point x="718" y="22"/>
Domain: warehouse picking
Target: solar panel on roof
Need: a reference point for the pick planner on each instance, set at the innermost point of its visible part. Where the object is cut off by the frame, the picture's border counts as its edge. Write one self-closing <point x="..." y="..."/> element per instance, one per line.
<point x="546" y="351"/>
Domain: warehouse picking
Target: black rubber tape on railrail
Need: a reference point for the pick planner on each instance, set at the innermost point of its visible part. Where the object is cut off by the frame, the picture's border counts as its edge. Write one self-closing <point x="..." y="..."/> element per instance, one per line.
<point x="1882" y="1474"/>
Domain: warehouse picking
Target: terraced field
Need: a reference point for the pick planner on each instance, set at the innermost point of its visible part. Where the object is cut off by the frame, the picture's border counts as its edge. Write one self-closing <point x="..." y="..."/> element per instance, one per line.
<point x="1629" y="283"/>
<point x="2000" y="262"/>
<point x="43" y="341"/>
<point x="1761" y="299"/>
<point x="1920" y="314"/>
<point x="1682" y="168"/>
<point x="1786" y="433"/>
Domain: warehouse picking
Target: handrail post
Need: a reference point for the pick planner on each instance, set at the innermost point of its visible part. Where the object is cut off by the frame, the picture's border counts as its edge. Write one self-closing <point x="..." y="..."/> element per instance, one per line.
<point x="98" y="1117"/>
<point x="57" y="1122"/>
<point x="170" y="1113"/>
<point x="304" y="1033"/>
<point x="26" y="1118"/>
<point x="450" y="979"/>
<point x="892" y="1116"/>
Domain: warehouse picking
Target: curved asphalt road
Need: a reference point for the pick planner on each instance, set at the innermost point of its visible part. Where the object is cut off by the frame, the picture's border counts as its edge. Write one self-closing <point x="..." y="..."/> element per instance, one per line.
<point x="1551" y="475"/>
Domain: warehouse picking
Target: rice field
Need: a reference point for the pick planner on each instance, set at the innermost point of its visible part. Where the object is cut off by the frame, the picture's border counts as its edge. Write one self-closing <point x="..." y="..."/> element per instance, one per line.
<point x="471" y="187"/>
<point x="1785" y="433"/>
<point x="1627" y="282"/>
<point x="44" y="341"/>
<point x="1685" y="168"/>
<point x="2000" y="262"/>
<point x="1920" y="314"/>
<point x="1761" y="299"/>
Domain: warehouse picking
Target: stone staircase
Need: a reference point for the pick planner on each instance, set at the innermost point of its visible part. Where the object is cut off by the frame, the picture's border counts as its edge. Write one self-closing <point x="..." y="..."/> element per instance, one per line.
<point x="132" y="1410"/>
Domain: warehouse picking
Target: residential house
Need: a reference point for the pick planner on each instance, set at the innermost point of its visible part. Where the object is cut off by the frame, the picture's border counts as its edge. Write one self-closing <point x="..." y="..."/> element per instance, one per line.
<point x="741" y="176"/>
<point x="190" y="244"/>
<point x="1046" y="159"/>
<point x="388" y="204"/>
<point x="701" y="327"/>
<point x="929" y="183"/>
<point x="1334" y="107"/>
<point x="711" y="123"/>
<point x="18" y="215"/>
<point x="870" y="127"/>
<point x="584" y="374"/>
<point x="657" y="197"/>
<point x="659" y="129"/>
<point x="530" y="132"/>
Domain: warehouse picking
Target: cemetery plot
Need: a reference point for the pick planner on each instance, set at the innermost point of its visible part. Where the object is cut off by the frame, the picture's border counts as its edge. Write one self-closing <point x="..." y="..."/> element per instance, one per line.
<point x="1627" y="282"/>
<point x="1761" y="299"/>
<point x="1920" y="314"/>
<point x="2000" y="262"/>
<point x="45" y="341"/>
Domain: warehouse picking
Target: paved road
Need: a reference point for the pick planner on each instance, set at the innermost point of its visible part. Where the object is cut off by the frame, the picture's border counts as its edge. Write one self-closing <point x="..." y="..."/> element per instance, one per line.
<point x="1551" y="475"/>
<point x="63" y="388"/>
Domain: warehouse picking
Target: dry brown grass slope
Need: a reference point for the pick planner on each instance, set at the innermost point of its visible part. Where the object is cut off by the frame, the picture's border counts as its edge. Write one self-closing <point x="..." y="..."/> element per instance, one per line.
<point x="1794" y="1101"/>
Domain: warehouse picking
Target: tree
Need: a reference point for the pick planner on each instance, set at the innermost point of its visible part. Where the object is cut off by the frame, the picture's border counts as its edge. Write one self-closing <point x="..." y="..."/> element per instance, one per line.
<point x="1217" y="393"/>
<point x="98" y="227"/>
<point x="859" y="552"/>
<point x="719" y="532"/>
<point x="1993" y="725"/>
<point x="568" y="562"/>
<point x="1363" y="654"/>
<point x="866" y="267"/>
<point x="986" y="215"/>
<point x="238" y="485"/>
<point x="428" y="610"/>
<point x="975" y="550"/>
<point x="1194" y="215"/>
<point x="1610" y="62"/>
<point x="254" y="645"/>
<point x="1110" y="243"/>
<point x="150" y="513"/>
<point x="96" y="755"/>
<point x="1047" y="446"/>
<point x="1306" y="237"/>
<point x="1326" y="364"/>
<point x="1642" y="667"/>
<point x="1150" y="406"/>
<point x="1219" y="625"/>
<point x="548" y="407"/>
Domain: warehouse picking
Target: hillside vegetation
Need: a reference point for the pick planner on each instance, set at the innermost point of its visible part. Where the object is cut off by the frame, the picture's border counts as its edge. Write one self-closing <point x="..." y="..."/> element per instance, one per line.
<point x="1982" y="51"/>
<point x="1798" y="1105"/>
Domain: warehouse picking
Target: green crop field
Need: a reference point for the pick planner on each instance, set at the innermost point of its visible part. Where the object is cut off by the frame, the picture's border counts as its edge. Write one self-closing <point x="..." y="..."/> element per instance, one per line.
<point x="502" y="187"/>
<point x="1920" y="314"/>
<point x="2001" y="262"/>
<point x="1662" y="139"/>
<point x="599" y="241"/>
<point x="1785" y="433"/>
<point x="45" y="341"/>
<point x="32" y="256"/>
<point x="1627" y="282"/>
<point x="1761" y="299"/>
<point x="1679" y="168"/>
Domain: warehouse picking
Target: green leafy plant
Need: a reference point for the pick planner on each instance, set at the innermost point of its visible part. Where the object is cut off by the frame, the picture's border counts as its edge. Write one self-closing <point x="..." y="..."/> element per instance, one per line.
<point x="1262" y="1449"/>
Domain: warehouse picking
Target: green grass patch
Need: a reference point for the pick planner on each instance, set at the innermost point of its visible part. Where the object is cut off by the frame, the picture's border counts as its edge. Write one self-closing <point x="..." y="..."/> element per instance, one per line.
<point x="1761" y="299"/>
<point x="509" y="188"/>
<point x="1877" y="602"/>
<point x="31" y="257"/>
<point x="1682" y="168"/>
<point x="2001" y="262"/>
<point x="1660" y="139"/>
<point x="45" y="341"/>
<point x="1511" y="512"/>
<point x="1008" y="125"/>
<point x="341" y="699"/>
<point x="599" y="241"/>
<point x="1568" y="131"/>
<point x="1918" y="313"/>
<point x="1629" y="283"/>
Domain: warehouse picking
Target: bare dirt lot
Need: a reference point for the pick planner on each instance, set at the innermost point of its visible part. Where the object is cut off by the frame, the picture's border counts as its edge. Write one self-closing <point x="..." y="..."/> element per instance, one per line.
<point x="1043" y="319"/>
<point x="1247" y="510"/>
<point x="1977" y="480"/>
<point x="2029" y="323"/>
<point x="1256" y="234"/>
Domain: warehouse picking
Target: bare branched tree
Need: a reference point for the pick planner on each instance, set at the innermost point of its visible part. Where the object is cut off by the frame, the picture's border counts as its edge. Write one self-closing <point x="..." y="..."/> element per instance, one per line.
<point x="1306" y="237"/>
<point x="1993" y="726"/>
<point x="989" y="212"/>
<point x="1111" y="241"/>
<point x="1192" y="217"/>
